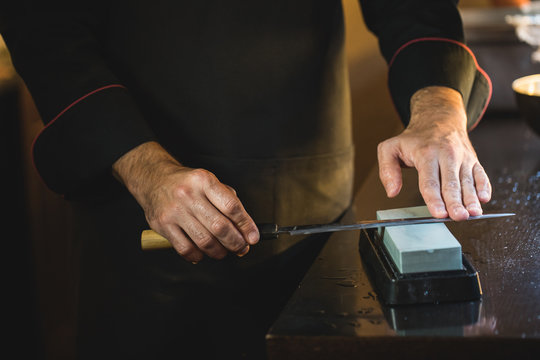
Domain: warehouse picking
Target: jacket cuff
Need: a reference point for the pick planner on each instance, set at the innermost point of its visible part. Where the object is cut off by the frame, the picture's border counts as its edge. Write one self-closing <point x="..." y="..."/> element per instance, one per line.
<point x="438" y="62"/>
<point x="75" y="151"/>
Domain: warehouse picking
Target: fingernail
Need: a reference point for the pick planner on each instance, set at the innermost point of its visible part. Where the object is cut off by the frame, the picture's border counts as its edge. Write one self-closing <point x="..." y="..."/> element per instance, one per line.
<point x="475" y="208"/>
<point x="458" y="210"/>
<point x="243" y="252"/>
<point x="390" y="187"/>
<point x="483" y="194"/>
<point x="194" y="262"/>
<point x="253" y="237"/>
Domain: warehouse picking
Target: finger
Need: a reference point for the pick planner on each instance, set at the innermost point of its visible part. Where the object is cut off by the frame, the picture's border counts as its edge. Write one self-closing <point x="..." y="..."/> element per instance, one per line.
<point x="231" y="189"/>
<point x="483" y="186"/>
<point x="470" y="198"/>
<point x="182" y="244"/>
<point x="202" y="238"/>
<point x="220" y="227"/>
<point x="430" y="187"/>
<point x="451" y="189"/>
<point x="389" y="168"/>
<point x="230" y="206"/>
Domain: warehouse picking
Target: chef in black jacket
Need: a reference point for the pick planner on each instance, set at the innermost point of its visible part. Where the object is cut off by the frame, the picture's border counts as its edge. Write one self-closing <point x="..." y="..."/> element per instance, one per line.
<point x="201" y="118"/>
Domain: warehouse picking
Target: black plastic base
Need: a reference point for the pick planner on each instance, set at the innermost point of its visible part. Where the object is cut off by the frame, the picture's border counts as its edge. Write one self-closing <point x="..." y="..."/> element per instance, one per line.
<point x="394" y="288"/>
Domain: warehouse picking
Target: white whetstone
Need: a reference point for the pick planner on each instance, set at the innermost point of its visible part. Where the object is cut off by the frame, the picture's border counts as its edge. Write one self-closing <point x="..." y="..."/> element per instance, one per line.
<point x="420" y="248"/>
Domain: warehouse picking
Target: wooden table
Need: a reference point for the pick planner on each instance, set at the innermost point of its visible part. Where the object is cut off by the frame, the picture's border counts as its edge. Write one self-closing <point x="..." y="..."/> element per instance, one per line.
<point x="335" y="313"/>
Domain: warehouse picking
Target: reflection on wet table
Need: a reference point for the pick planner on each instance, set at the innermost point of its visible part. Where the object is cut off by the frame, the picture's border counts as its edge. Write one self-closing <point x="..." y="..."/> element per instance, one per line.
<point x="336" y="313"/>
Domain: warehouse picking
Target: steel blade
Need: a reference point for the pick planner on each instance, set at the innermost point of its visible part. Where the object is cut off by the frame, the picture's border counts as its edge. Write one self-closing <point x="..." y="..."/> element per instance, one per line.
<point x="369" y="224"/>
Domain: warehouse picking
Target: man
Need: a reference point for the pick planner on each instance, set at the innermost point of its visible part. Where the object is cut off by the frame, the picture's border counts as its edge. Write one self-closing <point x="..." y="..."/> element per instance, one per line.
<point x="237" y="112"/>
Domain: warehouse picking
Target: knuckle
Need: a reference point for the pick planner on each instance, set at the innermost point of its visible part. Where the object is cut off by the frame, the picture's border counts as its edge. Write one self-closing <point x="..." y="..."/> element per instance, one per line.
<point x="185" y="249"/>
<point x="471" y="202"/>
<point x="182" y="191"/>
<point x="436" y="203"/>
<point x="382" y="145"/>
<point x="205" y="242"/>
<point x="158" y="219"/>
<point x="455" y="210"/>
<point x="233" y="206"/>
<point x="451" y="159"/>
<point x="385" y="147"/>
<point x="237" y="246"/>
<point x="202" y="176"/>
<point x="219" y="227"/>
<point x="246" y="224"/>
<point x="453" y="199"/>
<point x="467" y="181"/>
<point x="427" y="152"/>
<point x="449" y="149"/>
<point x="430" y="184"/>
<point x="451" y="186"/>
<point x="231" y="190"/>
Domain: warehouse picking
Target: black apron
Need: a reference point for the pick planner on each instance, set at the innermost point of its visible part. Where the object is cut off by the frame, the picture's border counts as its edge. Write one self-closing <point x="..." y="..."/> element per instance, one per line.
<point x="257" y="94"/>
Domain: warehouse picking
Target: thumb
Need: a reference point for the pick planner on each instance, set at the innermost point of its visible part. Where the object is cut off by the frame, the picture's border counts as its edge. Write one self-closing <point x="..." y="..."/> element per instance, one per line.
<point x="389" y="167"/>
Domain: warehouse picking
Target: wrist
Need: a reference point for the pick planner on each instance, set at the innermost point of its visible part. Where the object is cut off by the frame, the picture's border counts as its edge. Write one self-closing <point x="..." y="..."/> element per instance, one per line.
<point x="438" y="106"/>
<point x="142" y="166"/>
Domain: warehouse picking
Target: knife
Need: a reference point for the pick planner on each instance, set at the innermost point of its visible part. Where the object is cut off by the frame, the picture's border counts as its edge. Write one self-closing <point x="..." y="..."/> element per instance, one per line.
<point x="152" y="240"/>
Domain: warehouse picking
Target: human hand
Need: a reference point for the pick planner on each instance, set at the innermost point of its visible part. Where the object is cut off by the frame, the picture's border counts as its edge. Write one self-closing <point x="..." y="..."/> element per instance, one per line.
<point x="450" y="177"/>
<point x="190" y="207"/>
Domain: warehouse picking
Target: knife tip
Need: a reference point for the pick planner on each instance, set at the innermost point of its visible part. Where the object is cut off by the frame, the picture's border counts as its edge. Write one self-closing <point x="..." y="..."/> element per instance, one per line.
<point x="504" y="214"/>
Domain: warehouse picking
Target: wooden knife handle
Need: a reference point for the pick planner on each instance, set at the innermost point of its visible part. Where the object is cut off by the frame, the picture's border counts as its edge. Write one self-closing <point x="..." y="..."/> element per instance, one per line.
<point x="151" y="240"/>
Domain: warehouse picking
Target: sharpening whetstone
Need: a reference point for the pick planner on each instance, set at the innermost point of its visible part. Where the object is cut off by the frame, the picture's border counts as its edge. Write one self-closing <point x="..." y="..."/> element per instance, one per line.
<point x="420" y="248"/>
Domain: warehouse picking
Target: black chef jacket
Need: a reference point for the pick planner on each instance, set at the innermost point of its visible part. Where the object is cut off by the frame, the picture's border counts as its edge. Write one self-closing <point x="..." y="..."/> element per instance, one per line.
<point x="223" y="81"/>
<point x="253" y="91"/>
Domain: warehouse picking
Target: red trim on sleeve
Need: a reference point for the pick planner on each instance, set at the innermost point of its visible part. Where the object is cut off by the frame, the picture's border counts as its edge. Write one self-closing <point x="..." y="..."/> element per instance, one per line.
<point x="62" y="113"/>
<point x="468" y="50"/>
<point x="81" y="99"/>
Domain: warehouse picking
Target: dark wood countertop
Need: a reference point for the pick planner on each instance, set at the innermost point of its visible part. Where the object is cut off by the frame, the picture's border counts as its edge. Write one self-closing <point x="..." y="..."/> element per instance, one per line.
<point x="335" y="313"/>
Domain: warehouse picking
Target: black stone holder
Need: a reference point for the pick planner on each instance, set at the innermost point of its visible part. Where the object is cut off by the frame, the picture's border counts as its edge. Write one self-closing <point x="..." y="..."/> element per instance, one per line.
<point x="395" y="288"/>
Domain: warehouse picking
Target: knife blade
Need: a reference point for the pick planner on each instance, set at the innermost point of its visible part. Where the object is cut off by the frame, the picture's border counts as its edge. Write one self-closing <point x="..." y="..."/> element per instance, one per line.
<point x="152" y="240"/>
<point x="269" y="231"/>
